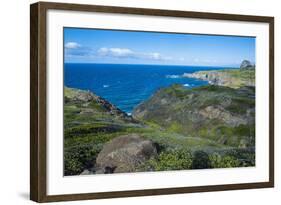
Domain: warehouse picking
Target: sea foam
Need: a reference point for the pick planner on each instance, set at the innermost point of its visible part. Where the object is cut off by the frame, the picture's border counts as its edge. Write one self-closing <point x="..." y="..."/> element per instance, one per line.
<point x="173" y="76"/>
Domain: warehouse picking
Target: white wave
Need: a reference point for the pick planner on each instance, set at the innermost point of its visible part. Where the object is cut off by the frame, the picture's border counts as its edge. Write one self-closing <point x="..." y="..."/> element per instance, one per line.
<point x="186" y="85"/>
<point x="128" y="113"/>
<point x="105" y="86"/>
<point x="173" y="76"/>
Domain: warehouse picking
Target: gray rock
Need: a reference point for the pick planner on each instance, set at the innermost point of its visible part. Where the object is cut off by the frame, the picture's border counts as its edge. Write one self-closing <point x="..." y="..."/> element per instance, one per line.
<point x="124" y="154"/>
<point x="219" y="113"/>
<point x="87" y="172"/>
<point x="246" y="65"/>
<point x="84" y="96"/>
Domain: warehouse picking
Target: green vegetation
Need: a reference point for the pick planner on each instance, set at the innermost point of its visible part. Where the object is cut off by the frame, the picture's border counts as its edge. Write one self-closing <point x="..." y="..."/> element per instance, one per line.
<point x="176" y="159"/>
<point x="182" y="159"/>
<point x="218" y="161"/>
<point x="243" y="75"/>
<point x="78" y="158"/>
<point x="197" y="128"/>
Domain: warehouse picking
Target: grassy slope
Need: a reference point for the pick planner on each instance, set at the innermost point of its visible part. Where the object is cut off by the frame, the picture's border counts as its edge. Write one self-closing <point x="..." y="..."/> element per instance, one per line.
<point x="87" y="126"/>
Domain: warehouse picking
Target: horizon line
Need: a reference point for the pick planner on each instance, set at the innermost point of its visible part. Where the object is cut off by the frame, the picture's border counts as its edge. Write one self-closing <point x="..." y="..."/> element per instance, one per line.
<point x="228" y="66"/>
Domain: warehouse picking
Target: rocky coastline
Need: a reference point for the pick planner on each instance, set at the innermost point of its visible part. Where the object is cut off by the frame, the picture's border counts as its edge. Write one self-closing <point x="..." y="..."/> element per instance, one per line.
<point x="234" y="78"/>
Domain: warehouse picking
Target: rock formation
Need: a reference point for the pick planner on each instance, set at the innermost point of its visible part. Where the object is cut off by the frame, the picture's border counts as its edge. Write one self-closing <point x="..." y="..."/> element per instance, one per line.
<point x="218" y="113"/>
<point x="234" y="78"/>
<point x="246" y="65"/>
<point x="124" y="154"/>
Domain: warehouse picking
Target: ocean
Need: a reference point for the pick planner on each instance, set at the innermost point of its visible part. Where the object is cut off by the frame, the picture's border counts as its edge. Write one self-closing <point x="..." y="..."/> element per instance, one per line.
<point x="126" y="86"/>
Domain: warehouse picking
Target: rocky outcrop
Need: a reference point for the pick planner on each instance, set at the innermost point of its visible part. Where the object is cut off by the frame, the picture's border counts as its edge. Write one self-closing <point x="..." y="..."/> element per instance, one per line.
<point x="213" y="77"/>
<point x="218" y="112"/>
<point x="87" y="97"/>
<point x="234" y="78"/>
<point x="246" y="65"/>
<point x="209" y="111"/>
<point x="124" y="154"/>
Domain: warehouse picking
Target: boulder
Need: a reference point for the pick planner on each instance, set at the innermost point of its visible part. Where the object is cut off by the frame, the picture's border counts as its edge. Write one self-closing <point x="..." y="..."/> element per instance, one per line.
<point x="124" y="154"/>
<point x="246" y="65"/>
<point x="86" y="172"/>
<point x="85" y="96"/>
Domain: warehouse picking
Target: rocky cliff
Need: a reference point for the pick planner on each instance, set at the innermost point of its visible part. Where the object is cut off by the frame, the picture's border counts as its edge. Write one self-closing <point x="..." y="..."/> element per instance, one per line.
<point x="222" y="114"/>
<point x="88" y="101"/>
<point x="234" y="78"/>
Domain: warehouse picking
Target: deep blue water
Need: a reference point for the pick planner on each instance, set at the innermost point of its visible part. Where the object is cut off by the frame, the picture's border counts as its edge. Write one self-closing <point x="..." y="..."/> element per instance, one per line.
<point x="128" y="85"/>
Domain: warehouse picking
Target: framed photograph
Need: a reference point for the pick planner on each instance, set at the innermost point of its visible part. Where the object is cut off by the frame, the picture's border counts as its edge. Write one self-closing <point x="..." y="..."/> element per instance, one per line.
<point x="135" y="102"/>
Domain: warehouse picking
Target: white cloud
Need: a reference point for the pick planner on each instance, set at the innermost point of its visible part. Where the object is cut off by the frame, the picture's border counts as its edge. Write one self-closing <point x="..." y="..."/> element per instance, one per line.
<point x="75" y="49"/>
<point x="103" y="51"/>
<point x="72" y="45"/>
<point x="128" y="53"/>
<point x="116" y="52"/>
<point x="155" y="56"/>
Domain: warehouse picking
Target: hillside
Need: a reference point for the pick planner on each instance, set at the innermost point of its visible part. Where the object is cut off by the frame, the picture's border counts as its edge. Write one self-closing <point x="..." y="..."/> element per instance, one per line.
<point x="89" y="122"/>
<point x="222" y="114"/>
<point x="181" y="129"/>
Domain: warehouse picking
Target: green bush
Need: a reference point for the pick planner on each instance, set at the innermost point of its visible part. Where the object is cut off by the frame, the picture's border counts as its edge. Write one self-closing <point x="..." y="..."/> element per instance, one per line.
<point x="246" y="157"/>
<point x="201" y="160"/>
<point x="72" y="166"/>
<point x="78" y="158"/>
<point x="177" y="159"/>
<point x="226" y="161"/>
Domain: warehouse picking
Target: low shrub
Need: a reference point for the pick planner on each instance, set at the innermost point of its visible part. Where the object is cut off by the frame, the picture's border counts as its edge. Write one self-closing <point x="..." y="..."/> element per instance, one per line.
<point x="78" y="158"/>
<point x="226" y="161"/>
<point x="246" y="157"/>
<point x="201" y="160"/>
<point x="177" y="159"/>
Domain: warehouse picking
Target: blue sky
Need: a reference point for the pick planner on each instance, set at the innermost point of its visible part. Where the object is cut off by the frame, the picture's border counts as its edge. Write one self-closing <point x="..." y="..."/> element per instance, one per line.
<point x="127" y="47"/>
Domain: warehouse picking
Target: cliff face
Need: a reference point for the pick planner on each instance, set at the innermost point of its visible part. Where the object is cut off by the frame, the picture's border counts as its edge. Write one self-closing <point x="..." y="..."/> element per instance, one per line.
<point x="223" y="114"/>
<point x="89" y="102"/>
<point x="234" y="78"/>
